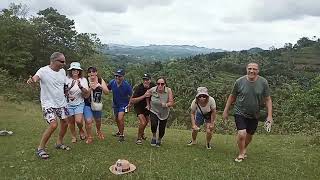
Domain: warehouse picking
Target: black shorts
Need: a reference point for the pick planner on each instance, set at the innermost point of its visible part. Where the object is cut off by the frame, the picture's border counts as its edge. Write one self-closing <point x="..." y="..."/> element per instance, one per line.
<point x="250" y="125"/>
<point x="143" y="111"/>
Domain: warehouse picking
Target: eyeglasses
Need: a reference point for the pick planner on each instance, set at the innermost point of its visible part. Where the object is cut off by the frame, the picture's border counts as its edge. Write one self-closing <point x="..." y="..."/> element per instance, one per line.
<point x="62" y="62"/>
<point x="160" y="84"/>
<point x="202" y="96"/>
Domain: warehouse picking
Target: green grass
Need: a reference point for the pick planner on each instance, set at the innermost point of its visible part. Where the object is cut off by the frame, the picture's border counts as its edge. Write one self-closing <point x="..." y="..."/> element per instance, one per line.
<point x="270" y="156"/>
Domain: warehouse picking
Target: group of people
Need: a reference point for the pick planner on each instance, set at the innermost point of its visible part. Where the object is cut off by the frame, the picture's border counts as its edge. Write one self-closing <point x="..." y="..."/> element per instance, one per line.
<point x="75" y="98"/>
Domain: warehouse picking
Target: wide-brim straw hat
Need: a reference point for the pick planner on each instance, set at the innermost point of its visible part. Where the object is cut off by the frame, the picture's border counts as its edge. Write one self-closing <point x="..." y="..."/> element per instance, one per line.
<point x="131" y="167"/>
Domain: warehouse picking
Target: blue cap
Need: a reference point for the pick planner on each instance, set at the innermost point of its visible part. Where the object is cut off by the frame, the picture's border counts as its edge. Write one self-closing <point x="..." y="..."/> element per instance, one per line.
<point x="119" y="72"/>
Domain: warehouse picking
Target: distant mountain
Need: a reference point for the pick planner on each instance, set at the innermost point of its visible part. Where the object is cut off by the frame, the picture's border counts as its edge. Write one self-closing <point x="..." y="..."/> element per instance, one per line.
<point x="156" y="52"/>
<point x="255" y="50"/>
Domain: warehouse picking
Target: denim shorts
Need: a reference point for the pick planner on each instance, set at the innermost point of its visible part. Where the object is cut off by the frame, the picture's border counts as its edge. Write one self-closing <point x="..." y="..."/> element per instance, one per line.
<point x="75" y="109"/>
<point x="200" y="120"/>
<point x="89" y="114"/>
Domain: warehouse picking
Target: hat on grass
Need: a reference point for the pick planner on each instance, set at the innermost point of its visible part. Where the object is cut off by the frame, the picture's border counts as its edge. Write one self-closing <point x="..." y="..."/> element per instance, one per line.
<point x="122" y="166"/>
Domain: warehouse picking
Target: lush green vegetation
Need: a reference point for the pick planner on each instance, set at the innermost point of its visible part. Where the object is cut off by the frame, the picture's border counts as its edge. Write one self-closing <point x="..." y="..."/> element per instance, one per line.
<point x="292" y="71"/>
<point x="269" y="157"/>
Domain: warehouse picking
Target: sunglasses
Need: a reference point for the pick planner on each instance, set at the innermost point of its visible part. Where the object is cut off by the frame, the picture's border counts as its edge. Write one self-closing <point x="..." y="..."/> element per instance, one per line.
<point x="61" y="61"/>
<point x="160" y="84"/>
<point x="202" y="96"/>
<point x="117" y="76"/>
<point x="92" y="71"/>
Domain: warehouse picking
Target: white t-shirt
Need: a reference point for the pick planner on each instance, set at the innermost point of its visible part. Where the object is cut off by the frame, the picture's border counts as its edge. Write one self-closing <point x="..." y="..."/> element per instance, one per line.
<point x="75" y="91"/>
<point x="211" y="103"/>
<point x="51" y="84"/>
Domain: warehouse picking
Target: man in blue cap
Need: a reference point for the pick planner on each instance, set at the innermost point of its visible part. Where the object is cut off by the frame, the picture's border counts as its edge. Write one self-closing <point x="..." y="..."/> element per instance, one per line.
<point x="122" y="92"/>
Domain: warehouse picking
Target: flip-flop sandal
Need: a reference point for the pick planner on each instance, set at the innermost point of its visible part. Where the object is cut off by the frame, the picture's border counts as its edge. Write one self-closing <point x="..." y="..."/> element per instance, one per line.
<point x="41" y="153"/>
<point x="74" y="140"/>
<point x="239" y="159"/>
<point x="83" y="137"/>
<point x="63" y="147"/>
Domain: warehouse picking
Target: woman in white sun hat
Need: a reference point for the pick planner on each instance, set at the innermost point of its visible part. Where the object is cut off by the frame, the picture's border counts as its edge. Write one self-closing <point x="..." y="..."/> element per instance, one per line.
<point x="77" y="86"/>
<point x="203" y="110"/>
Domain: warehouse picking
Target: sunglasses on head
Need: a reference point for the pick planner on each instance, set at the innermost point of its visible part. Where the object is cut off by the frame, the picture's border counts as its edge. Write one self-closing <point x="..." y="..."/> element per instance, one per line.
<point x="202" y="96"/>
<point x="160" y="84"/>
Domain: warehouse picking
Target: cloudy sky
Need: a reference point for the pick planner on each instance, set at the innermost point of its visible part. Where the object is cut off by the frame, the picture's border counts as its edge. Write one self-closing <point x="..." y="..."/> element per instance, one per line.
<point x="228" y="24"/>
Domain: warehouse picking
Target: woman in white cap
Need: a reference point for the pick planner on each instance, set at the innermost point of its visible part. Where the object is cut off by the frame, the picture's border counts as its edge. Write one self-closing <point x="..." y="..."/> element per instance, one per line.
<point x="77" y="87"/>
<point x="203" y="110"/>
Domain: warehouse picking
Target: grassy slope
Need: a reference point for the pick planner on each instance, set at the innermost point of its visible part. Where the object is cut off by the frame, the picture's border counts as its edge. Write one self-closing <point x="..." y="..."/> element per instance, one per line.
<point x="270" y="157"/>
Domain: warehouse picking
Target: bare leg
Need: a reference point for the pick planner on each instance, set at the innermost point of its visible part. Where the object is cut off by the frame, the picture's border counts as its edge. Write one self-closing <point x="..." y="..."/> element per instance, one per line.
<point x="143" y="121"/>
<point x="47" y="134"/>
<point x="71" y="121"/>
<point x="63" y="130"/>
<point x="79" y="121"/>
<point x="247" y="142"/>
<point x="241" y="141"/>
<point x="121" y="122"/>
<point x="89" y="130"/>
<point x="194" y="136"/>
<point x="209" y="130"/>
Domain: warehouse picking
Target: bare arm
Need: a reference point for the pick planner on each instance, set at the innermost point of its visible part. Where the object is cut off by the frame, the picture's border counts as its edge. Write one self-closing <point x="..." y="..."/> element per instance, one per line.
<point x="33" y="79"/>
<point x="269" y="108"/>
<point x="135" y="100"/>
<point x="170" y="102"/>
<point x="231" y="100"/>
<point x="193" y="120"/>
<point x="104" y="87"/>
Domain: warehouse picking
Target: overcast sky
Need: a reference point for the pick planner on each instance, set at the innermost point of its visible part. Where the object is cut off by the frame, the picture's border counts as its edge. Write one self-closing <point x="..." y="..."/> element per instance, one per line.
<point x="228" y="24"/>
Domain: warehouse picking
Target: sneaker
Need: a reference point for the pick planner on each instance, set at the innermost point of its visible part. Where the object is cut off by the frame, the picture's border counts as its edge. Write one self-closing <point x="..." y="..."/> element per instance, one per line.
<point x="117" y="134"/>
<point x="209" y="146"/>
<point x="139" y="142"/>
<point x="153" y="142"/>
<point x="158" y="144"/>
<point x="121" y="138"/>
<point x="191" y="143"/>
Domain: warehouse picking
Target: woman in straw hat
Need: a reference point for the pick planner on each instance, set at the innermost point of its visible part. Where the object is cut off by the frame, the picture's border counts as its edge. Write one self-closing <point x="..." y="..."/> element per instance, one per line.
<point x="203" y="110"/>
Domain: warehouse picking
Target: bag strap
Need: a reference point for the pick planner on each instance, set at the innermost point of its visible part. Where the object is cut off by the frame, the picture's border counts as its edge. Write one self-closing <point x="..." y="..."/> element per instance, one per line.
<point x="201" y="111"/>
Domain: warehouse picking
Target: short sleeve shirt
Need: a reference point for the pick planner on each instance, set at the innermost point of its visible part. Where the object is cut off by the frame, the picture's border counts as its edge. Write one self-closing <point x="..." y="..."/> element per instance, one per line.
<point x="121" y="94"/>
<point x="75" y="91"/>
<point x="140" y="90"/>
<point x="250" y="96"/>
<point x="209" y="106"/>
<point x="52" y="87"/>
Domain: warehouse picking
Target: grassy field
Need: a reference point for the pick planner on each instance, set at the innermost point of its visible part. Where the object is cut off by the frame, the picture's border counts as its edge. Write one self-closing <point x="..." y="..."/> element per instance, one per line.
<point x="269" y="157"/>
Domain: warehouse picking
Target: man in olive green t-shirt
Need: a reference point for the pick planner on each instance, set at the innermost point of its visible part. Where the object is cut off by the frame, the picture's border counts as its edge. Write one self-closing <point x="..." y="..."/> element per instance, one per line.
<point x="250" y="93"/>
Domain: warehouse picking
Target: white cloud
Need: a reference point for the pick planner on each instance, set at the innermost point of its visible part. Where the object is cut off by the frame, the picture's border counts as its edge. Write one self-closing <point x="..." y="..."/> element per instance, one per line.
<point x="229" y="24"/>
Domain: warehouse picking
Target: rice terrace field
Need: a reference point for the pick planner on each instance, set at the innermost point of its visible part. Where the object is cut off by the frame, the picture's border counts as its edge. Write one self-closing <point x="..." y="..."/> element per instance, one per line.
<point x="269" y="157"/>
